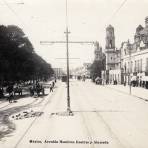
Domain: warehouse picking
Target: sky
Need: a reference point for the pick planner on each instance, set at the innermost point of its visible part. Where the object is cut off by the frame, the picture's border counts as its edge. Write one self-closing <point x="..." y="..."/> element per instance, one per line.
<point x="44" y="20"/>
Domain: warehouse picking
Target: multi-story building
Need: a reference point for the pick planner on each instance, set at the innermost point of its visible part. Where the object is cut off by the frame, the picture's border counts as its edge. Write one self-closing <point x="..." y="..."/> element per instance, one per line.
<point x="130" y="62"/>
<point x="134" y="57"/>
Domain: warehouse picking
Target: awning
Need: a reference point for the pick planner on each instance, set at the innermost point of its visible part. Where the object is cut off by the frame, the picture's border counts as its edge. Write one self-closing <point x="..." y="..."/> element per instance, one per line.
<point x="144" y="78"/>
<point x="98" y="78"/>
<point x="134" y="78"/>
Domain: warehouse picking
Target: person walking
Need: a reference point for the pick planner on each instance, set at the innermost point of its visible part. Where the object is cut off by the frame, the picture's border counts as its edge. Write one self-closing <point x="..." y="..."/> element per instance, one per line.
<point x="11" y="97"/>
<point x="51" y="87"/>
<point x="53" y="84"/>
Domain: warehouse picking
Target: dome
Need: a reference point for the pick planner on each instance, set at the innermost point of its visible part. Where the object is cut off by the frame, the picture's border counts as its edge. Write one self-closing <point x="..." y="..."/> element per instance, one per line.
<point x="139" y="28"/>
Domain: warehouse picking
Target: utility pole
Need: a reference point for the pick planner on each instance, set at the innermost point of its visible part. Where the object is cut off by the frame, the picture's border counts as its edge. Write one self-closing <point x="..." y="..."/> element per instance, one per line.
<point x="69" y="112"/>
<point x="67" y="58"/>
<point x="67" y="42"/>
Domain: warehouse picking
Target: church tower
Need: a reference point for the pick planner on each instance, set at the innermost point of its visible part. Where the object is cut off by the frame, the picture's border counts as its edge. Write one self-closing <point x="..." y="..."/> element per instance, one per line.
<point x="110" y="48"/>
<point x="98" y="52"/>
<point x="110" y="37"/>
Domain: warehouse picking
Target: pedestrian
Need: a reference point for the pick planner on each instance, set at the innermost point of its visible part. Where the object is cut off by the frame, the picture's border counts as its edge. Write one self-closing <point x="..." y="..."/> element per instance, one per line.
<point x="11" y="97"/>
<point x="53" y="83"/>
<point x="31" y="89"/>
<point x="51" y="88"/>
<point x="1" y="92"/>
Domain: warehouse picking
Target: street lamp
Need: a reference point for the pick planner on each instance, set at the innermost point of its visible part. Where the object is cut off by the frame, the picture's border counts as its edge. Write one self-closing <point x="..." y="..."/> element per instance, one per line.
<point x="129" y="47"/>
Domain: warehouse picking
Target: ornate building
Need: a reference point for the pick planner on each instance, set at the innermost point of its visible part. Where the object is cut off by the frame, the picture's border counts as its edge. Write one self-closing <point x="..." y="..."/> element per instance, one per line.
<point x="134" y="60"/>
<point x="141" y="36"/>
<point x="99" y="55"/>
<point x="112" y="53"/>
<point x="113" y="71"/>
<point x="110" y="37"/>
<point x="131" y="61"/>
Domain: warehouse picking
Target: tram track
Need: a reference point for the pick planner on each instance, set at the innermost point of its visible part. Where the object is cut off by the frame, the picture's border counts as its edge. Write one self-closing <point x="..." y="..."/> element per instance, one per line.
<point x="88" y="121"/>
<point x="88" y="130"/>
<point x="102" y="119"/>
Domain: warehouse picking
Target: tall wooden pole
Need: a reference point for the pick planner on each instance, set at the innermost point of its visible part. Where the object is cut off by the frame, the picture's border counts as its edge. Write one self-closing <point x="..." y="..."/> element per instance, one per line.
<point x="67" y="59"/>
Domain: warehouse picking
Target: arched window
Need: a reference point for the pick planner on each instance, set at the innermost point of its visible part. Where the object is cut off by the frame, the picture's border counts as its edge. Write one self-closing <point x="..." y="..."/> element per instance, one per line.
<point x="110" y="44"/>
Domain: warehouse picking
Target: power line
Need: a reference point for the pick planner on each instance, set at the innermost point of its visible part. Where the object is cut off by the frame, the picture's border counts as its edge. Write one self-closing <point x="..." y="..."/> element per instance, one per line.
<point x="122" y="4"/>
<point x="16" y="15"/>
<point x="114" y="13"/>
<point x="117" y="10"/>
<point x="12" y="10"/>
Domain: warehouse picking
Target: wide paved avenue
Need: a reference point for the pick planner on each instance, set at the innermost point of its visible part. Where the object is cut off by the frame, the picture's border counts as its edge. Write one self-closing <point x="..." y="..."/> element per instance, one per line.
<point x="103" y="118"/>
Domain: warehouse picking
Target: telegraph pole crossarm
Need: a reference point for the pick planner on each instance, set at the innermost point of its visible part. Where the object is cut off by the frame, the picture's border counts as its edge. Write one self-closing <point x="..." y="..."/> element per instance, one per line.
<point x="67" y="32"/>
<point x="67" y="56"/>
<point x="72" y="42"/>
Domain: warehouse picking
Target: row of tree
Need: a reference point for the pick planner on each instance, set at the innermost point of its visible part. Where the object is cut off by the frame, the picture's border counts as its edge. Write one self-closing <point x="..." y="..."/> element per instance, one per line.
<point x="96" y="68"/>
<point x="18" y="60"/>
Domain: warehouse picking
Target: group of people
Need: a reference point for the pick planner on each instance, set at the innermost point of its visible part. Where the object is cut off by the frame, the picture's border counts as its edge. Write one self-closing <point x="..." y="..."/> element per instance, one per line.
<point x="34" y="90"/>
<point x="37" y="88"/>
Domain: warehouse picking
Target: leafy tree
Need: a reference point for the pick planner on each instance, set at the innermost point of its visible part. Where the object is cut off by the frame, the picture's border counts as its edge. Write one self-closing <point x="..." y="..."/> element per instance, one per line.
<point x="18" y="60"/>
<point x="96" y="68"/>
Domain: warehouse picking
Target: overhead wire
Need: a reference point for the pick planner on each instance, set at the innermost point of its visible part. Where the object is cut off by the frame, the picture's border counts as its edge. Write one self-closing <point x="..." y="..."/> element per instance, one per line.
<point x="118" y="9"/>
<point x="114" y="13"/>
<point x="17" y="16"/>
<point x="12" y="10"/>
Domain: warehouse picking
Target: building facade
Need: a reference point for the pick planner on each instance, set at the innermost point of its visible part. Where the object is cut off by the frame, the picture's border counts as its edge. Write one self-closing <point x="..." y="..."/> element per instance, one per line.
<point x="113" y="58"/>
<point x="134" y="59"/>
<point x="130" y="62"/>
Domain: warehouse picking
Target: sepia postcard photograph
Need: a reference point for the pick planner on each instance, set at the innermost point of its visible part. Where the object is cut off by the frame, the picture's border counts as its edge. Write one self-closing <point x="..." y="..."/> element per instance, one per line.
<point x="73" y="73"/>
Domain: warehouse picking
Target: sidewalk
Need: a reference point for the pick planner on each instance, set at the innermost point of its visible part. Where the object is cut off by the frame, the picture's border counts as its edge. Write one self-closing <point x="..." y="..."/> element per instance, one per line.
<point x="139" y="92"/>
<point x="30" y="105"/>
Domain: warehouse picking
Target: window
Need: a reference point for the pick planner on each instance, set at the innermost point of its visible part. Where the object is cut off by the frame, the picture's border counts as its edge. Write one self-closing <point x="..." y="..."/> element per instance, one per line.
<point x="140" y="65"/>
<point x="110" y="44"/>
<point x="147" y="64"/>
<point x="125" y="67"/>
<point x="135" y="66"/>
<point x="128" y="68"/>
<point x="131" y="66"/>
